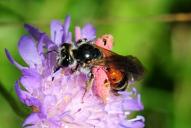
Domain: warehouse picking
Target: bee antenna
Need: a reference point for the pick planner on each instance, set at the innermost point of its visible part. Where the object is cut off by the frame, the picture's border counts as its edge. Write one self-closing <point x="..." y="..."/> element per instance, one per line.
<point x="52" y="51"/>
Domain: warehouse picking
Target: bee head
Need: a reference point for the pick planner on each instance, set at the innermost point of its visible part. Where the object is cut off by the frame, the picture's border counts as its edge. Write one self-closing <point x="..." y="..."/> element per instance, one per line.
<point x="65" y="57"/>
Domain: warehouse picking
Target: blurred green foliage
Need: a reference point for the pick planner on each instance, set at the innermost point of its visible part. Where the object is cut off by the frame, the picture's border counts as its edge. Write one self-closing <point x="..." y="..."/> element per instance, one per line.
<point x="163" y="44"/>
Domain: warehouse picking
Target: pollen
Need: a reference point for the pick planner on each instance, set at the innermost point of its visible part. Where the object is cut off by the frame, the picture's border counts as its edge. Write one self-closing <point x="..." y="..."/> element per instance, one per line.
<point x="67" y="98"/>
<point x="35" y="109"/>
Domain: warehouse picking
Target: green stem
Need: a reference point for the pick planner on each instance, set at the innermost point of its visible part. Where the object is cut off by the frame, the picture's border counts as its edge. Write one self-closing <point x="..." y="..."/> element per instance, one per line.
<point x="12" y="102"/>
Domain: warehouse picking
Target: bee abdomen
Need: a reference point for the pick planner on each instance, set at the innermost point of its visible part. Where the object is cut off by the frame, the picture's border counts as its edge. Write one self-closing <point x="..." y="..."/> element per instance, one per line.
<point x="121" y="85"/>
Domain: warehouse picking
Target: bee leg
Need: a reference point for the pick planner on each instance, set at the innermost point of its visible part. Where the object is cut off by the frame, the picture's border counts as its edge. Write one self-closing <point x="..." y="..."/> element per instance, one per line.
<point x="75" y="69"/>
<point x="55" y="70"/>
<point x="89" y="85"/>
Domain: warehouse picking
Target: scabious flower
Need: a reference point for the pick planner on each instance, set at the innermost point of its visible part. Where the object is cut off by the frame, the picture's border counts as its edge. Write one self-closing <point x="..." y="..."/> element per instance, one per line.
<point x="61" y="103"/>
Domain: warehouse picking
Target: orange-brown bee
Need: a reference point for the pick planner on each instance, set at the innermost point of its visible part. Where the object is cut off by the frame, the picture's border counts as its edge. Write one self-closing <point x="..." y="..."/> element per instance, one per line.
<point x="120" y="70"/>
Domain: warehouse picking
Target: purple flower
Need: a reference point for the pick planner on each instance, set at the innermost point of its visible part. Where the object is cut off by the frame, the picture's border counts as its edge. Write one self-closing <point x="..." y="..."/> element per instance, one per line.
<point x="60" y="103"/>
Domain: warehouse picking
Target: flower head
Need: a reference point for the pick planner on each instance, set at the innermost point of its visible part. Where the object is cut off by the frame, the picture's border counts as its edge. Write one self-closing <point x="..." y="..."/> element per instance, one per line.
<point x="61" y="103"/>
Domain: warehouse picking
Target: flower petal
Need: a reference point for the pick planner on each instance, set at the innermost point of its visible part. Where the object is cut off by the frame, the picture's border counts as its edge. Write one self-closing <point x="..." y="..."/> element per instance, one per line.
<point x="56" y="32"/>
<point x="26" y="97"/>
<point x="114" y="107"/>
<point x="23" y="95"/>
<point x="31" y="79"/>
<point x="67" y="23"/>
<point x="43" y="40"/>
<point x="31" y="120"/>
<point x="131" y="103"/>
<point x="137" y="122"/>
<point x="20" y="67"/>
<point x="60" y="33"/>
<point x="36" y="34"/>
<point x="78" y="35"/>
<point x="68" y="38"/>
<point x="88" y="32"/>
<point x="66" y="35"/>
<point x="41" y="46"/>
<point x="28" y="51"/>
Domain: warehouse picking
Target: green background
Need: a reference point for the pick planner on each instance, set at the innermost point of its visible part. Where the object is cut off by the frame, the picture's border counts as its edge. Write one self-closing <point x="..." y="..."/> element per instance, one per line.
<point x="158" y="32"/>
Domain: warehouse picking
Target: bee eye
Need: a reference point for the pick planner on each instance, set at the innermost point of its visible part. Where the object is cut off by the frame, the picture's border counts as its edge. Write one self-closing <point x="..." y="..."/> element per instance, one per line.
<point x="97" y="53"/>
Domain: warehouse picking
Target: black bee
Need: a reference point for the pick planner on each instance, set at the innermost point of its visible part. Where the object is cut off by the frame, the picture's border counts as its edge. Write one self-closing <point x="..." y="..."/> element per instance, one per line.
<point x="65" y="56"/>
<point x="82" y="56"/>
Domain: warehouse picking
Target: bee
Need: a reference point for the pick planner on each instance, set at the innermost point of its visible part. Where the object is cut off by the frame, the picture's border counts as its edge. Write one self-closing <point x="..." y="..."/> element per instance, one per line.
<point x="79" y="56"/>
<point x="120" y="70"/>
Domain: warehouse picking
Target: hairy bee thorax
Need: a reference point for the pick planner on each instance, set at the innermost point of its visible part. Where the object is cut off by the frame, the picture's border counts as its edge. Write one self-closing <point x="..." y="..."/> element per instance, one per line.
<point x="86" y="53"/>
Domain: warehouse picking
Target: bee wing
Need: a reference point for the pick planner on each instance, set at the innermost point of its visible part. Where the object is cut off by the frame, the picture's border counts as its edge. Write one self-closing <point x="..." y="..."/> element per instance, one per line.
<point x="134" y="67"/>
<point x="127" y="64"/>
<point x="105" y="52"/>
